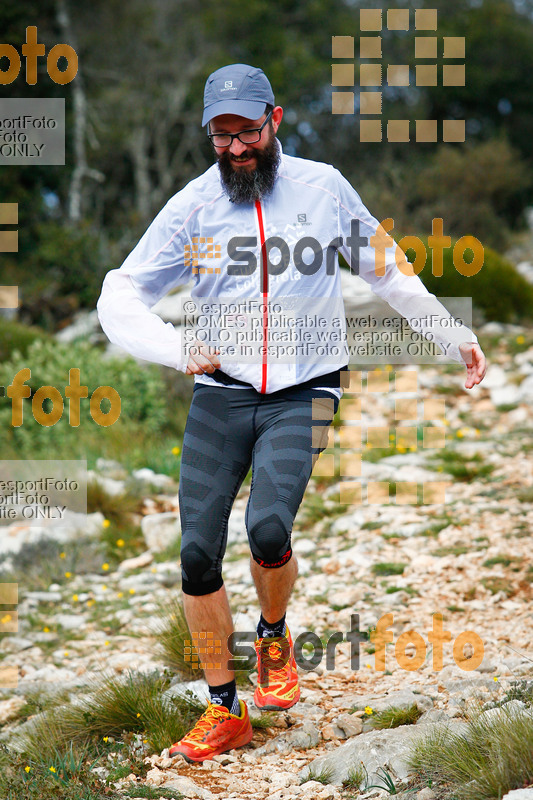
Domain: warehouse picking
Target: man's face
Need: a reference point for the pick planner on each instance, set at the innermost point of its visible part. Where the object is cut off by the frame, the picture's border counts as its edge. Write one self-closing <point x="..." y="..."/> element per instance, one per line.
<point x="247" y="171"/>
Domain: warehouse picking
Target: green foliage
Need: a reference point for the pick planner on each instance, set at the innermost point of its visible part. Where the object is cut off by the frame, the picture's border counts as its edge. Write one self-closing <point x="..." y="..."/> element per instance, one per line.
<point x="15" y="336"/>
<point x="40" y="563"/>
<point x="504" y="560"/>
<point x="388" y="568"/>
<point x="133" y="702"/>
<point x="498" y="290"/>
<point x="63" y="272"/>
<point x="452" y="550"/>
<point x="141" y="392"/>
<point x="115" y="507"/>
<point x="62" y="775"/>
<point x="475" y="188"/>
<point x="172" y="635"/>
<point x="395" y="716"/>
<point x="321" y="776"/>
<point x="495" y="585"/>
<point x="462" y="467"/>
<point x="356" y="776"/>
<point x="493" y="756"/>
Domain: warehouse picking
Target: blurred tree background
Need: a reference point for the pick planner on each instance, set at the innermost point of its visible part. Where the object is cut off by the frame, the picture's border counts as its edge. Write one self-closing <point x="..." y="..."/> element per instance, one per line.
<point x="134" y="135"/>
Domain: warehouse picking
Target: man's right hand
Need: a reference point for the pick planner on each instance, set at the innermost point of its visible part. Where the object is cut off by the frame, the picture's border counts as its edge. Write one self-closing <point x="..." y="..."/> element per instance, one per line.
<point x="202" y="358"/>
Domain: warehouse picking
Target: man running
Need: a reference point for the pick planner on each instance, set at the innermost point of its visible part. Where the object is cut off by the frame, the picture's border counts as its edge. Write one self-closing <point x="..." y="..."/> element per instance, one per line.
<point x="256" y="407"/>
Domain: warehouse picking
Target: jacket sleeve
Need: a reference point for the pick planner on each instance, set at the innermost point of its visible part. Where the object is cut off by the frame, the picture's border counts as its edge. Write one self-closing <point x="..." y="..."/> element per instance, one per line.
<point x="154" y="266"/>
<point x="404" y="292"/>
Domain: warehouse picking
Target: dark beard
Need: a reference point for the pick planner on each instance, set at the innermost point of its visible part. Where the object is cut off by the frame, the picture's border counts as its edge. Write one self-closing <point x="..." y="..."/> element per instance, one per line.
<point x="243" y="186"/>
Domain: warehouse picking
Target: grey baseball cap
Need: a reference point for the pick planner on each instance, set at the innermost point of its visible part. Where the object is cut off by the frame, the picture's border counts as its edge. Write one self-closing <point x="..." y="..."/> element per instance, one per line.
<point x="237" y="89"/>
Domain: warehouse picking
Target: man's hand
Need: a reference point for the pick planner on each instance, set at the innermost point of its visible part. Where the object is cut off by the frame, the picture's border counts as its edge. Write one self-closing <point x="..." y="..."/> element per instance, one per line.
<point x="202" y="358"/>
<point x="475" y="361"/>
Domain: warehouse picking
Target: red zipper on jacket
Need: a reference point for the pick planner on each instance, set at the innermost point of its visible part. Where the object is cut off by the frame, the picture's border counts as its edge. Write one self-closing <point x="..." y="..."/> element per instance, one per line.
<point x="264" y="292"/>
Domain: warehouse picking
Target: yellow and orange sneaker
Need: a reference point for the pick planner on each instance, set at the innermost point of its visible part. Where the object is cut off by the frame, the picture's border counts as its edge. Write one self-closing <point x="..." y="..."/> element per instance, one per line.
<point x="217" y="731"/>
<point x="277" y="686"/>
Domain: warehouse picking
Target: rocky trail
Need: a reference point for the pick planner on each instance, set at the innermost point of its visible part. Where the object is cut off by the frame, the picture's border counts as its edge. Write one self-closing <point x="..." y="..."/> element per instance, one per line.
<point x="467" y="559"/>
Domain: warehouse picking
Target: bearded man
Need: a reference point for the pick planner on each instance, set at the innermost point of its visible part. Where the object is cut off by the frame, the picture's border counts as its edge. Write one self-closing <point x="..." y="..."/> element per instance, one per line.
<point x="260" y="407"/>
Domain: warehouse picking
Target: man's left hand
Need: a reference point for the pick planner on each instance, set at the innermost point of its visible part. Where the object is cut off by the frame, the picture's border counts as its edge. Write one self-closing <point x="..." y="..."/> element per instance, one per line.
<point x="476" y="364"/>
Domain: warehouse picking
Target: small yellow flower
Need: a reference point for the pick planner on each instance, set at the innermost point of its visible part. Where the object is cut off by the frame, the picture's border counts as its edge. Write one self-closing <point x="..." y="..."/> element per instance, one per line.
<point x="132" y="591"/>
<point x="46" y="629"/>
<point x="154" y="569"/>
<point x="145" y="740"/>
<point x="62" y="555"/>
<point x="138" y="713"/>
<point x="27" y="769"/>
<point x="52" y="769"/>
<point x="368" y="710"/>
<point x="460" y="433"/>
<point x="65" y="653"/>
<point x="106" y="642"/>
<point x="74" y="598"/>
<point x="105" y="566"/>
<point x="104" y="587"/>
<point x="91" y="602"/>
<point x="176" y="451"/>
<point x="120" y="543"/>
<point x="6" y="618"/>
<point x="401" y="449"/>
<point x="477" y="431"/>
<point x="520" y="339"/>
<point x="106" y="523"/>
<point x="106" y="738"/>
<point x="496" y="678"/>
<point x="120" y="594"/>
<point x="68" y="574"/>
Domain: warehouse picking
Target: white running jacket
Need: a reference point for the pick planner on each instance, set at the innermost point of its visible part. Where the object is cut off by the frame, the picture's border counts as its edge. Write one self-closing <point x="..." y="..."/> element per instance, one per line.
<point x="276" y="326"/>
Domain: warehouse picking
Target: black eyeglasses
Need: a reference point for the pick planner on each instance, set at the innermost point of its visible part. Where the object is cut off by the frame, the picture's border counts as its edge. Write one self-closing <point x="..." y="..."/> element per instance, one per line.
<point x="246" y="137"/>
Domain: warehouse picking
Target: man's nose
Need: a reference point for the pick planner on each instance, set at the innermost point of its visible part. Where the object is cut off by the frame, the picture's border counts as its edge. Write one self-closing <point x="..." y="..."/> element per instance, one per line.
<point x="237" y="147"/>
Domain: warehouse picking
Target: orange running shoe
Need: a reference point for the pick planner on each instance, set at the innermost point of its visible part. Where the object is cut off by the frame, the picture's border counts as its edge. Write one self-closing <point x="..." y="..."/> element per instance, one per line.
<point x="217" y="731"/>
<point x="277" y="687"/>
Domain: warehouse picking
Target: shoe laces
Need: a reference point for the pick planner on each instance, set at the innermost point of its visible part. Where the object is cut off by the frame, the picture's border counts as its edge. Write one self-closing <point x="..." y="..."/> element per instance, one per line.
<point x="208" y="719"/>
<point x="274" y="651"/>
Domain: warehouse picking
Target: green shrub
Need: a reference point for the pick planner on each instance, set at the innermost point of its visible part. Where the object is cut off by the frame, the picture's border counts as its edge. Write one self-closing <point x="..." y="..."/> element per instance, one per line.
<point x="488" y="759"/>
<point x="14" y="336"/>
<point x="498" y="290"/>
<point x="141" y="390"/>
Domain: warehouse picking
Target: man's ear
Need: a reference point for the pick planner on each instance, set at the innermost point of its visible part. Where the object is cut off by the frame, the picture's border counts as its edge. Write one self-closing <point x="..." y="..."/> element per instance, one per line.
<point x="277" y="115"/>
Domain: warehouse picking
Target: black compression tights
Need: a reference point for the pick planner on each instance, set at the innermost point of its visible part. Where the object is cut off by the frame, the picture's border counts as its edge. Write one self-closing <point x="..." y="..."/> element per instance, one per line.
<point x="228" y="430"/>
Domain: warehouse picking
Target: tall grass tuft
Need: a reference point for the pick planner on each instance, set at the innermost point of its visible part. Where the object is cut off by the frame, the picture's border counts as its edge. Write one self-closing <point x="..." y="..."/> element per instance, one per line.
<point x="490" y="757"/>
<point x="133" y="702"/>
